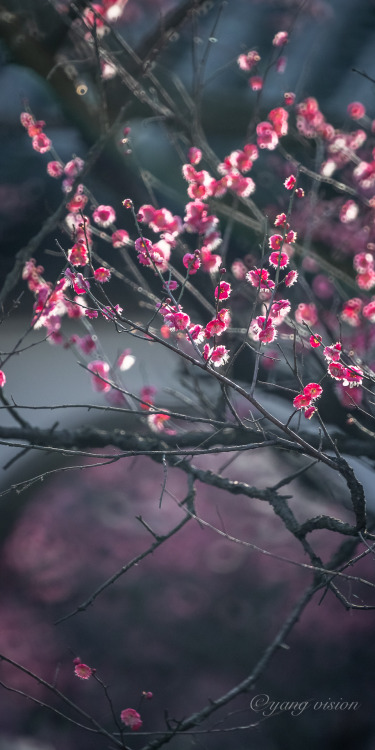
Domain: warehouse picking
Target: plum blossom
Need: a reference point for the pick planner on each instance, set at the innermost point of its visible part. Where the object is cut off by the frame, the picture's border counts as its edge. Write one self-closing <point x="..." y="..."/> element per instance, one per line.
<point x="356" y="110"/>
<point x="41" y="143"/>
<point x="263" y="330"/>
<point x="279" y="259"/>
<point x="306" y="313"/>
<point x="101" y="369"/>
<point x="78" y="254"/>
<point x="280" y="39"/>
<point x="217" y="355"/>
<point x="83" y="671"/>
<point x="353" y="376"/>
<point x="302" y="401"/>
<point x="120" y="238"/>
<point x="194" y="155"/>
<point x="129" y="716"/>
<point x="279" y="118"/>
<point x="192" y="262"/>
<point x="289" y="98"/>
<point x="249" y="60"/>
<point x="159" y="423"/>
<point x="309" y="412"/>
<point x="266" y="136"/>
<point x="223" y="291"/>
<point x="256" y="83"/>
<point x="125" y="361"/>
<point x="315" y="340"/>
<point x="3" y="379"/>
<point x="351" y="311"/>
<point x="104" y="216"/>
<point x="102" y="274"/>
<point x="313" y="390"/>
<point x="333" y="353"/>
<point x="290" y="182"/>
<point x="259" y="277"/>
<point x="55" y="169"/>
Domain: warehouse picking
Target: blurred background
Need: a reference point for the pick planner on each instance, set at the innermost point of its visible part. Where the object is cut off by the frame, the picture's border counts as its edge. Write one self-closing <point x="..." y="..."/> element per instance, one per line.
<point x="191" y="621"/>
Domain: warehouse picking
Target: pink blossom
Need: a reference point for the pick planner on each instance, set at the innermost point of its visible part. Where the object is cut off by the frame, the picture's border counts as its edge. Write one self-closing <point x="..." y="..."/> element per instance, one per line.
<point x="41" y="143"/>
<point x="275" y="241"/>
<point x="366" y="280"/>
<point x="127" y="203"/>
<point x="290" y="236"/>
<point x="302" y="401"/>
<point x="147" y="394"/>
<point x="263" y="330"/>
<point x="281" y="64"/>
<point x="313" y="390"/>
<point x="336" y="370"/>
<point x="279" y="259"/>
<point x="266" y="136"/>
<point x="223" y="291"/>
<point x="351" y="311"/>
<point x="259" y="277"/>
<point x="83" y="671"/>
<point x="291" y="278"/>
<point x="369" y="311"/>
<point x="210" y="261"/>
<point x="309" y="412"/>
<point x="194" y="155"/>
<point x="289" y="98"/>
<point x="197" y="333"/>
<point x="110" y="313"/>
<point x="256" y="83"/>
<point x="363" y="262"/>
<point x="87" y="344"/>
<point x="78" y="202"/>
<point x="104" y="216"/>
<point x="242" y="186"/>
<point x="306" y="313"/>
<point x="215" y="327"/>
<point x="356" y="110"/>
<point x="78" y="254"/>
<point x="349" y="212"/>
<point x="280" y="39"/>
<point x="101" y="369"/>
<point x="158" y="423"/>
<point x="3" y="379"/>
<point x="91" y="314"/>
<point x="217" y="356"/>
<point x="120" y="238"/>
<point x="353" y="376"/>
<point x="102" y="274"/>
<point x="290" y="182"/>
<point x="280" y="220"/>
<point x="80" y="284"/>
<point x="249" y="60"/>
<point x="192" y="262"/>
<point x="177" y="321"/>
<point x="279" y="310"/>
<point x="125" y="361"/>
<point x="238" y="269"/>
<point x="55" y="169"/>
<point x="300" y="193"/>
<point x="315" y="340"/>
<point x="26" y="119"/>
<point x="129" y="716"/>
<point x="74" y="167"/>
<point x="279" y="118"/>
<point x="332" y="353"/>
